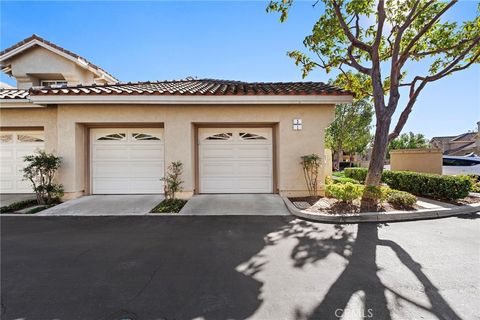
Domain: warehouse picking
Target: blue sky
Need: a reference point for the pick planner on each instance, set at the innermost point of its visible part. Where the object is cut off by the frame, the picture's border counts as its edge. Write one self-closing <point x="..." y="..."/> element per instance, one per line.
<point x="137" y="41"/>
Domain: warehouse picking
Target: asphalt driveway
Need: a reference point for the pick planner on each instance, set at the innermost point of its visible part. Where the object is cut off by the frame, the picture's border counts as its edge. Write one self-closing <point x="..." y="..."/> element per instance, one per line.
<point x="237" y="267"/>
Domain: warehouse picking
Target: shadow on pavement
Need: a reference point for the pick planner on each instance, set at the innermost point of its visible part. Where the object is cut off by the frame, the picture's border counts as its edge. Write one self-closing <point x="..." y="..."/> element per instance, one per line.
<point x="131" y="268"/>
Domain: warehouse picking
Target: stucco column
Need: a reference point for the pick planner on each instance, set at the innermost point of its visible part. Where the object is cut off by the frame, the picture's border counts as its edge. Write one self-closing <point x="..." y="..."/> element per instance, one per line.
<point x="179" y="146"/>
<point x="71" y="149"/>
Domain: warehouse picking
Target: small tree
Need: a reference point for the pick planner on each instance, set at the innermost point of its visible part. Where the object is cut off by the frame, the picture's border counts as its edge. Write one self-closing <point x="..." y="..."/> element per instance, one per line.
<point x="310" y="165"/>
<point x="172" y="180"/>
<point x="350" y="131"/>
<point x="40" y="170"/>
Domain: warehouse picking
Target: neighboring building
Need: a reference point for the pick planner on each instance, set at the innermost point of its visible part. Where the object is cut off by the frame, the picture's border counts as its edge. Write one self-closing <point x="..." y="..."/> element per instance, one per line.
<point x="463" y="144"/>
<point x="118" y="138"/>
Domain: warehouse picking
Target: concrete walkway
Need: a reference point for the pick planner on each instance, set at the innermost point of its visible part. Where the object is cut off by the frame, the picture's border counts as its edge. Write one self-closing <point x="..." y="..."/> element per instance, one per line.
<point x="236" y="204"/>
<point x="106" y="205"/>
<point x="7" y="199"/>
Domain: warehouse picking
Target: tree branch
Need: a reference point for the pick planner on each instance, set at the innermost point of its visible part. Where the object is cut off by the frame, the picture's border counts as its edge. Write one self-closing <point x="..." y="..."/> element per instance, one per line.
<point x="354" y="40"/>
<point x="381" y="21"/>
<point x="428" y="26"/>
<point x="414" y="92"/>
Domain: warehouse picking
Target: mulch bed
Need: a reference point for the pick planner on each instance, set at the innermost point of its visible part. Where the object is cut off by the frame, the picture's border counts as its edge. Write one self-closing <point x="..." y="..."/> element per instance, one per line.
<point x="334" y="206"/>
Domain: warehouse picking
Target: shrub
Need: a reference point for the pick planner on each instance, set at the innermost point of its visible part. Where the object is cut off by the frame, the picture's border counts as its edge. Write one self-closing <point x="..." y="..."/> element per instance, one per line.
<point x="359" y="174"/>
<point x="346" y="192"/>
<point x="475" y="187"/>
<point x="40" y="169"/>
<point x="169" y="206"/>
<point x="378" y="194"/>
<point x="328" y="180"/>
<point x="18" y="206"/>
<point x="310" y="166"/>
<point x="401" y="199"/>
<point x="172" y="180"/>
<point x="345" y="180"/>
<point x="430" y="185"/>
<point x="475" y="183"/>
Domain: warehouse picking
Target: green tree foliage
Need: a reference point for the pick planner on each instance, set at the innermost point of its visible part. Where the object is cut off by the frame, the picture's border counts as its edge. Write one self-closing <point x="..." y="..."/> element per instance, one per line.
<point x="40" y="170"/>
<point x="408" y="141"/>
<point x="378" y="39"/>
<point x="350" y="131"/>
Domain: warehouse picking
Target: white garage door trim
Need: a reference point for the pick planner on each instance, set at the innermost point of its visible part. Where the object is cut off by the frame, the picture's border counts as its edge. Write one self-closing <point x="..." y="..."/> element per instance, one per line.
<point x="127" y="160"/>
<point x="14" y="145"/>
<point x="235" y="160"/>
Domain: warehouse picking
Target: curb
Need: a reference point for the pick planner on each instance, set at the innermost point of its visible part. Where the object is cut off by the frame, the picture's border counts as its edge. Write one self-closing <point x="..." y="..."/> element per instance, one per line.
<point x="393" y="216"/>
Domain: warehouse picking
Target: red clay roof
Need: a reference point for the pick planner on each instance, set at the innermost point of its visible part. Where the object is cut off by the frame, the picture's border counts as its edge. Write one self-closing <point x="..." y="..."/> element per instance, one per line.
<point x="198" y="87"/>
<point x="53" y="45"/>
<point x="13" y="93"/>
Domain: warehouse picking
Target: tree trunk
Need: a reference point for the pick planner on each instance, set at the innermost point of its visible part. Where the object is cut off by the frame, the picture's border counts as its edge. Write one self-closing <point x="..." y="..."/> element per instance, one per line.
<point x="339" y="157"/>
<point x="377" y="161"/>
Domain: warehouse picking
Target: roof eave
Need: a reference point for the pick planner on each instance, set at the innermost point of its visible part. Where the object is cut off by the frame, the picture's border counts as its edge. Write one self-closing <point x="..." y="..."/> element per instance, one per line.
<point x="190" y="99"/>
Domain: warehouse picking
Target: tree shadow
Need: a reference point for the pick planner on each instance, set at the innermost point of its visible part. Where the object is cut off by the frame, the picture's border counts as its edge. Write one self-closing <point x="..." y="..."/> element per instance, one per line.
<point x="361" y="275"/>
<point x="132" y="267"/>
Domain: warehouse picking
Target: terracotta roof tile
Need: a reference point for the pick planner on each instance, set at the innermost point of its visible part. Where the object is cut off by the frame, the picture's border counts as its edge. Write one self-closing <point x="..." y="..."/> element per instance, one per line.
<point x="198" y="87"/>
<point x="13" y="93"/>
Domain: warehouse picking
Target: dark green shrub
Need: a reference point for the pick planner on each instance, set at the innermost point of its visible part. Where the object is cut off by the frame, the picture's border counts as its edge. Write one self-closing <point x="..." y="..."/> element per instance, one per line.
<point x="40" y="169"/>
<point x="429" y="185"/>
<point x="18" y="206"/>
<point x="359" y="174"/>
<point x="346" y="192"/>
<point x="401" y="199"/>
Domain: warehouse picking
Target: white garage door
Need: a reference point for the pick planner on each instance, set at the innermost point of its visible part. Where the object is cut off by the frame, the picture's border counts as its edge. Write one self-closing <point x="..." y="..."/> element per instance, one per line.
<point x="126" y="161"/>
<point x="235" y="160"/>
<point x="13" y="147"/>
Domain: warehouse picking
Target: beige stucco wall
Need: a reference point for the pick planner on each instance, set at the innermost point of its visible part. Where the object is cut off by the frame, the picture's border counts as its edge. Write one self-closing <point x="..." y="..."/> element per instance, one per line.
<point x="418" y="160"/>
<point x="71" y="122"/>
<point x="35" y="117"/>
<point x="39" y="63"/>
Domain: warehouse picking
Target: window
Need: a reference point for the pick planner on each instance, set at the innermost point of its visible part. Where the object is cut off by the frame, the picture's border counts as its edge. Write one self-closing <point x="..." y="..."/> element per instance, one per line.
<point x="6" y="138"/>
<point x="31" y="137"/>
<point x="53" y="83"/>
<point x="113" y="136"/>
<point x="251" y="136"/>
<point x="220" y="136"/>
<point x="143" y="136"/>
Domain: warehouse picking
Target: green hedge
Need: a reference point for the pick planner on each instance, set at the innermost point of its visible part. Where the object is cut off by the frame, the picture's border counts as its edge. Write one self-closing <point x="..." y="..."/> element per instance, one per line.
<point x="430" y="185"/>
<point x="359" y="174"/>
<point x="421" y="184"/>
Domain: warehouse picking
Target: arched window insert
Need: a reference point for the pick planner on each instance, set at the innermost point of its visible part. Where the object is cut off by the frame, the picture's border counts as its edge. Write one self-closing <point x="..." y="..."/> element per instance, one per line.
<point x="220" y="136"/>
<point x="251" y="136"/>
<point x="6" y="138"/>
<point x="144" y="136"/>
<point x="113" y="137"/>
<point x="29" y="138"/>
